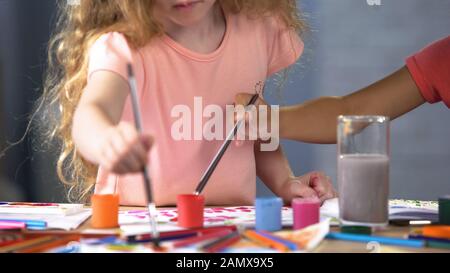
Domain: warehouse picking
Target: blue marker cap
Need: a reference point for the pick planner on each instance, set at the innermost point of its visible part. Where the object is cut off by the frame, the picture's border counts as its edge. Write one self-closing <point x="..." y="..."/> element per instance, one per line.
<point x="268" y="213"/>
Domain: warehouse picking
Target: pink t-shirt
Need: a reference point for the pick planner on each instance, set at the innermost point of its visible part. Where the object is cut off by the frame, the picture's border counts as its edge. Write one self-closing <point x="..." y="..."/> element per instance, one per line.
<point x="168" y="75"/>
<point x="430" y="69"/>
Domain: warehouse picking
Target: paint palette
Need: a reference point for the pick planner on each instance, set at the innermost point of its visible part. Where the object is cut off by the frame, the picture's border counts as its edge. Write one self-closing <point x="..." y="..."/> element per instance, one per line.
<point x="417" y="204"/>
<point x="398" y="210"/>
<point x="136" y="222"/>
<point x="212" y="216"/>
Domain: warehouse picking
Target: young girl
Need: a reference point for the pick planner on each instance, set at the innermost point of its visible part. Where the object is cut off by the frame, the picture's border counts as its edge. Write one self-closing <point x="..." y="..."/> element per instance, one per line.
<point x="424" y="78"/>
<point x="179" y="49"/>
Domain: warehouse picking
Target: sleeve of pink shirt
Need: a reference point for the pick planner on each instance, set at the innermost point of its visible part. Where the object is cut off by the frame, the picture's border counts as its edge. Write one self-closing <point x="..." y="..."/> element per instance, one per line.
<point x="430" y="69"/>
<point x="284" y="45"/>
<point x="111" y="52"/>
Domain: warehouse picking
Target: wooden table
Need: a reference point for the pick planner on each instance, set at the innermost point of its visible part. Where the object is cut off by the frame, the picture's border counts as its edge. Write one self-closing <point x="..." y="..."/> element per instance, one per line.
<point x="334" y="246"/>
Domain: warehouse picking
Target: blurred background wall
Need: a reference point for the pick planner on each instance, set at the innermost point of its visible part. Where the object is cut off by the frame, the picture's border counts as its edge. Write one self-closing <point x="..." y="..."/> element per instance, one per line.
<point x="350" y="45"/>
<point x="25" y="26"/>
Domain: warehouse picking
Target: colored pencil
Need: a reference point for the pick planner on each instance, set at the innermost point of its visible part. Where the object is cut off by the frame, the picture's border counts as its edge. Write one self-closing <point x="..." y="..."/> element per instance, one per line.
<point x="264" y="241"/>
<point x="201" y="238"/>
<point x="442" y="232"/>
<point x="222" y="243"/>
<point x="164" y="238"/>
<point x="432" y="242"/>
<point x="12" y="225"/>
<point x="381" y="240"/>
<point x="28" y="223"/>
<point x="289" y="244"/>
<point x="197" y="232"/>
<point x="426" y="238"/>
<point x="435" y="244"/>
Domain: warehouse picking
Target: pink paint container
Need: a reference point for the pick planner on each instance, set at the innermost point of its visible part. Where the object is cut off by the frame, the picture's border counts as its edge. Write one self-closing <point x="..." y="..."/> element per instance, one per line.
<point x="306" y="212"/>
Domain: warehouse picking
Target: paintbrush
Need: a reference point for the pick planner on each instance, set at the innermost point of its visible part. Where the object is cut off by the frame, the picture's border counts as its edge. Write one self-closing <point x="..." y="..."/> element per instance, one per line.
<point x="212" y="167"/>
<point x="147" y="183"/>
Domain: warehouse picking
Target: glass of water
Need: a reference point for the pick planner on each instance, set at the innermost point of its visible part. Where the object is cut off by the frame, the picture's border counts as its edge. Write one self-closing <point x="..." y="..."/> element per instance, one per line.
<point x="363" y="170"/>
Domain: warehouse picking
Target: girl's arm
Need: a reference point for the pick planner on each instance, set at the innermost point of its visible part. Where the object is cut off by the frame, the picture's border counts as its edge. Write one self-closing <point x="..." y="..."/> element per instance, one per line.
<point x="96" y="131"/>
<point x="274" y="170"/>
<point x="315" y="121"/>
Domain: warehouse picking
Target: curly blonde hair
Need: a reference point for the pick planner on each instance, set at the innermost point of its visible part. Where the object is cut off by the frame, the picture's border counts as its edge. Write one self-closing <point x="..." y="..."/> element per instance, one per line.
<point x="77" y="28"/>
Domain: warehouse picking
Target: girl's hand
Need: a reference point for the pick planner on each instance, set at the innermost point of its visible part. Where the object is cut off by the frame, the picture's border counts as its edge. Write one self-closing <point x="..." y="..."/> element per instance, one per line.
<point x="314" y="184"/>
<point x="123" y="150"/>
<point x="243" y="99"/>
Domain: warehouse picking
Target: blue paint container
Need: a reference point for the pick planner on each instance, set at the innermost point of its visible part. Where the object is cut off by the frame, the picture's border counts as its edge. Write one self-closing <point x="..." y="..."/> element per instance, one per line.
<point x="268" y="213"/>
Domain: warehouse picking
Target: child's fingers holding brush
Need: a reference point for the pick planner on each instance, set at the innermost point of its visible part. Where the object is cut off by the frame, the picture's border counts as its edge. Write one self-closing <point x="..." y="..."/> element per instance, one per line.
<point x="106" y="153"/>
<point x="125" y="151"/>
<point x="123" y="141"/>
<point x="242" y="100"/>
<point x="139" y="145"/>
<point x="122" y="160"/>
<point x="109" y="160"/>
<point x="259" y="107"/>
<point x="146" y="141"/>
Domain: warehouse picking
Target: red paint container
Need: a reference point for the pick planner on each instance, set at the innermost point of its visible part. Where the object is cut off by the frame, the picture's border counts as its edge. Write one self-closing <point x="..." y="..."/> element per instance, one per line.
<point x="190" y="210"/>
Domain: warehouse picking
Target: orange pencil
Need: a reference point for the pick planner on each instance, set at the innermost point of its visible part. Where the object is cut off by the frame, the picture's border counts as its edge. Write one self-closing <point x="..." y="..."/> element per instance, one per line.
<point x="437" y="231"/>
<point x="262" y="240"/>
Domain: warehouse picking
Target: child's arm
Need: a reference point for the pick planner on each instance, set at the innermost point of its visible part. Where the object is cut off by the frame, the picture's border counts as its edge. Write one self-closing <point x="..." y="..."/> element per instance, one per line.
<point x="425" y="77"/>
<point x="274" y="170"/>
<point x="315" y="121"/>
<point x="96" y="131"/>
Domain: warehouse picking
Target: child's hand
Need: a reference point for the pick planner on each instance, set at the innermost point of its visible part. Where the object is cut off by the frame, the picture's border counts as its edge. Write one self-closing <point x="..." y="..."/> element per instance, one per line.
<point x="243" y="99"/>
<point x="124" y="150"/>
<point x="314" y="184"/>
